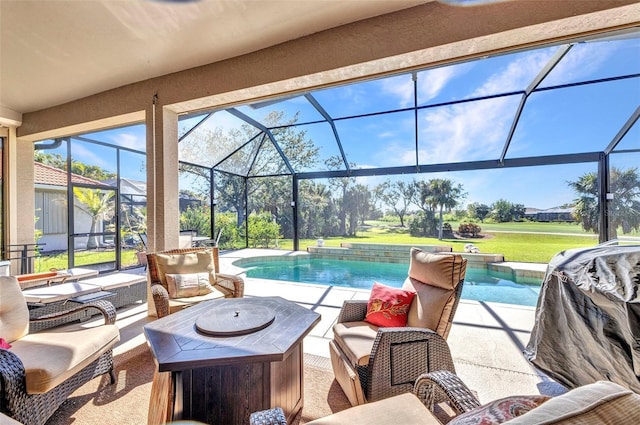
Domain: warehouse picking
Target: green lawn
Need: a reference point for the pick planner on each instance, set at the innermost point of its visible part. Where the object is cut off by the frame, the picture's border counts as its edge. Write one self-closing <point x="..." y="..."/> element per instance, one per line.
<point x="46" y="263"/>
<point x="535" y="247"/>
<point x="527" y="242"/>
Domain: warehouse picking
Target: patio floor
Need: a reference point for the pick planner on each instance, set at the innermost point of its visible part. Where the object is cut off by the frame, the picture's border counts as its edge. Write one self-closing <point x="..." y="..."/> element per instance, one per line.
<point x="486" y="339"/>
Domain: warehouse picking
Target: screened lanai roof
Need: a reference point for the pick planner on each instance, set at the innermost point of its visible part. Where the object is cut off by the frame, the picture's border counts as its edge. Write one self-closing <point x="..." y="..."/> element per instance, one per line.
<point x="553" y="104"/>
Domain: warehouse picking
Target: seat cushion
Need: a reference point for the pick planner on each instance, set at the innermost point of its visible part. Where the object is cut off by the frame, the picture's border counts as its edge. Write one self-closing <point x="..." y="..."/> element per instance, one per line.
<point x="52" y="357"/>
<point x="355" y="339"/>
<point x="597" y="403"/>
<point x="177" y="304"/>
<point x="401" y="409"/>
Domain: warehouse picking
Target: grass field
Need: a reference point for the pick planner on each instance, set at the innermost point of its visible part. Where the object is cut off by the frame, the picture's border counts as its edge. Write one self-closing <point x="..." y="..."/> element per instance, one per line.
<point x="526" y="242"/>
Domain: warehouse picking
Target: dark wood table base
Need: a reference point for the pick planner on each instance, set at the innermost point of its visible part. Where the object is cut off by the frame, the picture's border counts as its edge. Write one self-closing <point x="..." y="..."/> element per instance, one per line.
<point x="222" y="380"/>
<point x="207" y="394"/>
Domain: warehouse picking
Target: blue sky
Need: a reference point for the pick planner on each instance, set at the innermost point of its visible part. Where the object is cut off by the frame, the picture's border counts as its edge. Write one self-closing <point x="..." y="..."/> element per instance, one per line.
<point x="568" y="120"/>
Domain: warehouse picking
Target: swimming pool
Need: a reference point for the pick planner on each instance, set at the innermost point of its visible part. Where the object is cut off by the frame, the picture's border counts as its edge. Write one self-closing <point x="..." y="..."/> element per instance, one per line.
<point x="480" y="284"/>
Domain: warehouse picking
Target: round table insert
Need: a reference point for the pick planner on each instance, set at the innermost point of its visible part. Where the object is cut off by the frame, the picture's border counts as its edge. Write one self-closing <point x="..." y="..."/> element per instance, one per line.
<point x="235" y="319"/>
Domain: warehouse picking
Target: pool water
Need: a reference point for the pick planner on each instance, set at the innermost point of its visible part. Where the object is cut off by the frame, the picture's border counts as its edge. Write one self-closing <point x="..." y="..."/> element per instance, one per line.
<point x="480" y="284"/>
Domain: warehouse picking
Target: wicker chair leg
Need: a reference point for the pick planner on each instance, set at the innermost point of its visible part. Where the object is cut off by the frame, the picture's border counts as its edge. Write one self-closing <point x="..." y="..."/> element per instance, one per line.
<point x="112" y="376"/>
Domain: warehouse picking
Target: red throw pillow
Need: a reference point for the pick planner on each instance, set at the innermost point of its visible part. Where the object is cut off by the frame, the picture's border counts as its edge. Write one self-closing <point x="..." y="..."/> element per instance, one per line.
<point x="388" y="306"/>
<point x="499" y="411"/>
<point x="4" y="344"/>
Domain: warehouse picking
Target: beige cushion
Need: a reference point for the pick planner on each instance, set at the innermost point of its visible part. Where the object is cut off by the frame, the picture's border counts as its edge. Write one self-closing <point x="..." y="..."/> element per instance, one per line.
<point x="14" y="314"/>
<point x="400" y="409"/>
<point x="434" y="278"/>
<point x="188" y="284"/>
<point x="57" y="293"/>
<point x="355" y="339"/>
<point x="116" y="280"/>
<point x="443" y="270"/>
<point x="177" y="304"/>
<point x="52" y="357"/>
<point x="185" y="263"/>
<point x="345" y="375"/>
<point x="598" y="403"/>
<point x="431" y="306"/>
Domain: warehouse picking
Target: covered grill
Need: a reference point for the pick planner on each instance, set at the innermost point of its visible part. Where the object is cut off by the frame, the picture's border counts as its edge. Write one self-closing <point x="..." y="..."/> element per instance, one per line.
<point x="587" y="325"/>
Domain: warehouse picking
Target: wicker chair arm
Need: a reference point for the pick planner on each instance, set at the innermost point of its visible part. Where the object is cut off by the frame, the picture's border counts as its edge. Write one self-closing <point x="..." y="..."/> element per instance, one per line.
<point x="443" y="385"/>
<point x="12" y="372"/>
<point x="399" y="356"/>
<point x="231" y="282"/>
<point x="105" y="307"/>
<point x="353" y="311"/>
<point x="160" y="299"/>
<point x="273" y="416"/>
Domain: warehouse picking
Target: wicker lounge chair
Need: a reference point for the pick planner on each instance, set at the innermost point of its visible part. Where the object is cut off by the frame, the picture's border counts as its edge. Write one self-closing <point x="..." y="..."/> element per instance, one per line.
<point x="370" y="362"/>
<point x="40" y="370"/>
<point x="186" y="261"/>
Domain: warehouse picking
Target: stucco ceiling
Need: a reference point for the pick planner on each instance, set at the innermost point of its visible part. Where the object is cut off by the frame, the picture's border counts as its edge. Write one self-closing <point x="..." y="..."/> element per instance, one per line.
<point x="53" y="52"/>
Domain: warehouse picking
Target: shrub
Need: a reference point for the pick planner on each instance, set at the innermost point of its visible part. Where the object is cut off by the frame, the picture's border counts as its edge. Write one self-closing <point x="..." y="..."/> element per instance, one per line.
<point x="262" y="229"/>
<point x="422" y="224"/>
<point x="469" y="230"/>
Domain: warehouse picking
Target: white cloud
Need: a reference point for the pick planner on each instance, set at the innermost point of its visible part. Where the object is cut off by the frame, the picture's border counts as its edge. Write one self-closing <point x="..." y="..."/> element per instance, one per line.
<point x="401" y="88"/>
<point x="431" y="82"/>
<point x="132" y="141"/>
<point x="581" y="62"/>
<point x="89" y="155"/>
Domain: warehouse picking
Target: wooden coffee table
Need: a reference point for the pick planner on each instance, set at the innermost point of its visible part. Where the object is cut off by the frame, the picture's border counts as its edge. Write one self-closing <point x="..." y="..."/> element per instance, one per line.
<point x="220" y="360"/>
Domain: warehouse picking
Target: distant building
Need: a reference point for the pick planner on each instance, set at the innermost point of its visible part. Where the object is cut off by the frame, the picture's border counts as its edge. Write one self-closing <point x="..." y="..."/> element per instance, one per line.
<point x="551" y="214"/>
<point x="51" y="207"/>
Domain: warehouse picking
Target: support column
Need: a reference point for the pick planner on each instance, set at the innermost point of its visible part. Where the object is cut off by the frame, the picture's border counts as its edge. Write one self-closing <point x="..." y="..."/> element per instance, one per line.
<point x="163" y="216"/>
<point x="603" y="199"/>
<point x="294" y="206"/>
<point x="19" y="195"/>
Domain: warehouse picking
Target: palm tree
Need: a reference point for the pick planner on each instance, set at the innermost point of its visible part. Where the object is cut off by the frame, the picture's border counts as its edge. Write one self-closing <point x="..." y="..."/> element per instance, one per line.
<point x="623" y="210"/>
<point x="97" y="204"/>
<point x="444" y="194"/>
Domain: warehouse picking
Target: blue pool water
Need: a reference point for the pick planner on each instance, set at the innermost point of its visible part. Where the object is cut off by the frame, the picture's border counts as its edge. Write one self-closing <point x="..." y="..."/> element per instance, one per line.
<point x="480" y="284"/>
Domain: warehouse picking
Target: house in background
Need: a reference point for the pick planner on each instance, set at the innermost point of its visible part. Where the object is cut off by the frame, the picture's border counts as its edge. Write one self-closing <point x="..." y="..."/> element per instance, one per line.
<point x="551" y="214"/>
<point x="51" y="208"/>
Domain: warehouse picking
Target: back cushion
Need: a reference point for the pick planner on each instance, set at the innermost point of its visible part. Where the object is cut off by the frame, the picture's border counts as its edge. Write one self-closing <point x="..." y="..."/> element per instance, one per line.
<point x="185" y="263"/>
<point x="429" y="306"/>
<point x="434" y="278"/>
<point x="441" y="270"/>
<point x="14" y="314"/>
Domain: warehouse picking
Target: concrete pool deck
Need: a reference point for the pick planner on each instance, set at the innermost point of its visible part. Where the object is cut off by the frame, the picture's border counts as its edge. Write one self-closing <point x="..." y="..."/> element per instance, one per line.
<point x="486" y="339"/>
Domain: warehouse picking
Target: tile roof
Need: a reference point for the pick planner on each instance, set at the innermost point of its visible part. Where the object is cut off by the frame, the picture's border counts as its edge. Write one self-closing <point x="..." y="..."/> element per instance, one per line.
<point x="47" y="175"/>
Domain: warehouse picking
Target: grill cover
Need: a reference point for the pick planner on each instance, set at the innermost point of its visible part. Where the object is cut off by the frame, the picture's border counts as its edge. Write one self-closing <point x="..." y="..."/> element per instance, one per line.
<point x="587" y="325"/>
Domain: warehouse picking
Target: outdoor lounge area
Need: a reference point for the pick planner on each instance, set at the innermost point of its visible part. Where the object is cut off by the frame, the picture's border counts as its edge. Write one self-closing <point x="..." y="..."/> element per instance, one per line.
<point x="155" y="155"/>
<point x="494" y="368"/>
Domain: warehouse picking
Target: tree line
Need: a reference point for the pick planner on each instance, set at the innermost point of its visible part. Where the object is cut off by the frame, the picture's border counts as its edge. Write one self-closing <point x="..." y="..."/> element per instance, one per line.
<point x="338" y="206"/>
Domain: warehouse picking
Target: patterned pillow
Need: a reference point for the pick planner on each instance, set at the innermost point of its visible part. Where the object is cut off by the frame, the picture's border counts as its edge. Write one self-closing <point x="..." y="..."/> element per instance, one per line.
<point x="500" y="411"/>
<point x="388" y="306"/>
<point x="188" y="285"/>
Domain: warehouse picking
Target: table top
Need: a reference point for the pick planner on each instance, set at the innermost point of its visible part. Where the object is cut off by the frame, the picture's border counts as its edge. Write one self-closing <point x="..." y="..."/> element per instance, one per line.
<point x="177" y="344"/>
